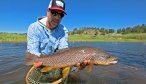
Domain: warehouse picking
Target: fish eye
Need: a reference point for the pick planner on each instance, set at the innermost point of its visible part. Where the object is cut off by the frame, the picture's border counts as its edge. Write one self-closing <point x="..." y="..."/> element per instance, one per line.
<point x="108" y="56"/>
<point x="103" y="57"/>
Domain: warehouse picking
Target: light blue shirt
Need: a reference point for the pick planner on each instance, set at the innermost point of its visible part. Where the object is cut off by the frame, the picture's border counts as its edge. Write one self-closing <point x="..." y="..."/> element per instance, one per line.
<point x="41" y="40"/>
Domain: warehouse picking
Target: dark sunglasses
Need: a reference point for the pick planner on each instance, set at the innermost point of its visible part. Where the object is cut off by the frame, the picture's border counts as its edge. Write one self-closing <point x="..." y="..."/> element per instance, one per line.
<point x="54" y="13"/>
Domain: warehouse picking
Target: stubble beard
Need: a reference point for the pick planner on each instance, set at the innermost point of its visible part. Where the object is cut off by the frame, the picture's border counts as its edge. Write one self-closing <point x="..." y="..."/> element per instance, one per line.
<point x="51" y="25"/>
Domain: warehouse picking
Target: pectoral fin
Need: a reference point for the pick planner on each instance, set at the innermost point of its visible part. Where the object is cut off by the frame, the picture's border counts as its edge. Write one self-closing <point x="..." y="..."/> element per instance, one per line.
<point x="75" y="76"/>
<point x="90" y="67"/>
<point x="46" y="69"/>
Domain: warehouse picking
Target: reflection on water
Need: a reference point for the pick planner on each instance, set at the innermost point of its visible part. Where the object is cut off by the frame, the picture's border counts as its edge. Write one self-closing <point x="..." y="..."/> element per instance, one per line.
<point x="131" y="68"/>
<point x="116" y="74"/>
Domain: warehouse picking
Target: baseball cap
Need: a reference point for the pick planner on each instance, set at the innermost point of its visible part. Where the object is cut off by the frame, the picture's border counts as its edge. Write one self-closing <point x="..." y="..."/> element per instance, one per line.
<point x="57" y="5"/>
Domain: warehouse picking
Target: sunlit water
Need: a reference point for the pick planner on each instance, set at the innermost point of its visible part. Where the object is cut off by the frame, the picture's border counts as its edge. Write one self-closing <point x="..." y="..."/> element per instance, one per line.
<point x="131" y="68"/>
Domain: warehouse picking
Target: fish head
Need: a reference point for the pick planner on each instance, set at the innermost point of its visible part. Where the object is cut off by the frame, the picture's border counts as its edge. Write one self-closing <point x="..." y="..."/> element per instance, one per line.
<point x="104" y="58"/>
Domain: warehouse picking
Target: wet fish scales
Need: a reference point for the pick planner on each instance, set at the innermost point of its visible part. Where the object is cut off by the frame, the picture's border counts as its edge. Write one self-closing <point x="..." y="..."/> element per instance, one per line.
<point x="71" y="56"/>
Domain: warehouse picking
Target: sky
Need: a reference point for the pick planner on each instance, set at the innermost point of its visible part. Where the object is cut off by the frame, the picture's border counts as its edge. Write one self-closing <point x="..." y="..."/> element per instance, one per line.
<point x="17" y="15"/>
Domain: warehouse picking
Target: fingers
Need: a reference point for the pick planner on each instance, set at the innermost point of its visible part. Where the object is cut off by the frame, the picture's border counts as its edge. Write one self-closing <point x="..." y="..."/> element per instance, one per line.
<point x="78" y="64"/>
<point x="38" y="64"/>
<point x="86" y="62"/>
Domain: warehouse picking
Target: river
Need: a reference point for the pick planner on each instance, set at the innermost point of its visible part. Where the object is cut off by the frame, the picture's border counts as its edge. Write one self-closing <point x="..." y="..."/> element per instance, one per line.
<point x="131" y="68"/>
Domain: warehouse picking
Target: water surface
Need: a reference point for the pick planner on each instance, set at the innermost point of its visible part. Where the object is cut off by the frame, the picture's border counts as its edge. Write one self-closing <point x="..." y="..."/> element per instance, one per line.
<point x="131" y="68"/>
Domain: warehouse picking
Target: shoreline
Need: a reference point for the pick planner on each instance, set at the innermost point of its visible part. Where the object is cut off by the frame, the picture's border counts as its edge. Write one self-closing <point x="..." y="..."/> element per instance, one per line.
<point x="10" y="37"/>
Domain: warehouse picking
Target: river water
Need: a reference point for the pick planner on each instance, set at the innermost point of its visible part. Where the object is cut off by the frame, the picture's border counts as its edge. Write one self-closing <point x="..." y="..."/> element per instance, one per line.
<point x="131" y="68"/>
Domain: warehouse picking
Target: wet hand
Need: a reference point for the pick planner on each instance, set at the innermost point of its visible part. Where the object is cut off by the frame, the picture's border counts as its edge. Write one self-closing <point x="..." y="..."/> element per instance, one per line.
<point x="83" y="64"/>
<point x="38" y="64"/>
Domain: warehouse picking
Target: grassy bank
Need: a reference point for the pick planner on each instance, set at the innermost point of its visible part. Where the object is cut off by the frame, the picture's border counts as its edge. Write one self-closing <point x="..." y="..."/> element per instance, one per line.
<point x="14" y="37"/>
<point x="110" y="38"/>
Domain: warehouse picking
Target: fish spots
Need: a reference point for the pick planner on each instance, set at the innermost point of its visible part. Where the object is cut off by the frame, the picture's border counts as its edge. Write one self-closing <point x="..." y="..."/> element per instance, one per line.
<point x="93" y="54"/>
<point x="82" y="51"/>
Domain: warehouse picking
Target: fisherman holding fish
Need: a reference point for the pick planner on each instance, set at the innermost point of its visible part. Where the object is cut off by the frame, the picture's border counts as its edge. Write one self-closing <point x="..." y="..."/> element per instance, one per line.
<point x="47" y="35"/>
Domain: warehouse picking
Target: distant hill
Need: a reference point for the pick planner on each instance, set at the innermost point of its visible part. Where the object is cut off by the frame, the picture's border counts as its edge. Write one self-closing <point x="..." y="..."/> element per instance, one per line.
<point x="104" y="31"/>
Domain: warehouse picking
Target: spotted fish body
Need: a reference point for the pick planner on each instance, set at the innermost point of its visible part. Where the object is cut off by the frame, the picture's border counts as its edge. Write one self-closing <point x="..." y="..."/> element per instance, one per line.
<point x="72" y="56"/>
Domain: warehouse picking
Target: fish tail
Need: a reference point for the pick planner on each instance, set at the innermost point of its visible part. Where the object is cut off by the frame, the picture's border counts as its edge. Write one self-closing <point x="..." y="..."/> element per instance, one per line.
<point x="30" y="58"/>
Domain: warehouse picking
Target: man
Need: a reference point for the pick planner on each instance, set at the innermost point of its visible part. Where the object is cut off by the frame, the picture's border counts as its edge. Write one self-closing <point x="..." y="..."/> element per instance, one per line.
<point x="47" y="35"/>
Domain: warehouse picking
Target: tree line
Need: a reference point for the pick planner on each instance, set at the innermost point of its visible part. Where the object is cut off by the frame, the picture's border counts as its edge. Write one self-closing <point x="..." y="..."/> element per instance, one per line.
<point x="104" y="31"/>
<point x="135" y="29"/>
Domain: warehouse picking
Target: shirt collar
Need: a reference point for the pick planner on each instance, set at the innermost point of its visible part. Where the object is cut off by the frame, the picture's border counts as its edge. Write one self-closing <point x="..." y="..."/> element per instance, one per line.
<point x="42" y="22"/>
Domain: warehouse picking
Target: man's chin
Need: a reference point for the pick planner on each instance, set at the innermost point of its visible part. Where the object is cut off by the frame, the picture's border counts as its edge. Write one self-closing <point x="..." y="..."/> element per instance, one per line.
<point x="54" y="25"/>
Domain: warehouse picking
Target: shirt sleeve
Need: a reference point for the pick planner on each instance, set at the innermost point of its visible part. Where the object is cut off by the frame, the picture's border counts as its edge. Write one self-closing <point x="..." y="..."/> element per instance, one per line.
<point x="63" y="43"/>
<point x="33" y="40"/>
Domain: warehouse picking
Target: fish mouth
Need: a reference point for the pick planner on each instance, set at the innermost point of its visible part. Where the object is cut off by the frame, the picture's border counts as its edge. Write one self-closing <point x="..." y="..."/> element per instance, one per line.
<point x="113" y="62"/>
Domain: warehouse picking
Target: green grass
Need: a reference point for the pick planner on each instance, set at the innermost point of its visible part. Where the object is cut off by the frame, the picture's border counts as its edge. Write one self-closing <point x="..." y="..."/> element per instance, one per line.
<point x="13" y="37"/>
<point x="110" y="38"/>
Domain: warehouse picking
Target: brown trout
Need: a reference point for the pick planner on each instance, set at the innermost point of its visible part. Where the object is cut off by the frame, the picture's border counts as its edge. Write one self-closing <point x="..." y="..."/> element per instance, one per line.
<point x="71" y="56"/>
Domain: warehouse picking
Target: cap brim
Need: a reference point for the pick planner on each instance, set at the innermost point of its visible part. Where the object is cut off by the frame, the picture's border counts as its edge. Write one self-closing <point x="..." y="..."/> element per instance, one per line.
<point x="57" y="8"/>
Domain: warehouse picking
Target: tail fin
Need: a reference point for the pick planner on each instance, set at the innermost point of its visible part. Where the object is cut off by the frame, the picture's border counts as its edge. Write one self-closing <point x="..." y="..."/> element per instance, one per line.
<point x="30" y="58"/>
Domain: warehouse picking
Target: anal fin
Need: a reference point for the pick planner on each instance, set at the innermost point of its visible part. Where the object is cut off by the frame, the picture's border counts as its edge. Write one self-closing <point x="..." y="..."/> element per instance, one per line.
<point x="66" y="71"/>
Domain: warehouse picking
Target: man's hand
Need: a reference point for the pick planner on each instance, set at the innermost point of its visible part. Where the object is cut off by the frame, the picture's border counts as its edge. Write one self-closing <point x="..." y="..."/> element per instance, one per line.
<point x="83" y="64"/>
<point x="38" y="64"/>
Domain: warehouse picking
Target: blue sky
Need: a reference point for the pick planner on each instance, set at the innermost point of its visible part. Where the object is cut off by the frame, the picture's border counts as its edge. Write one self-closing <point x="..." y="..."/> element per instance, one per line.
<point x="17" y="15"/>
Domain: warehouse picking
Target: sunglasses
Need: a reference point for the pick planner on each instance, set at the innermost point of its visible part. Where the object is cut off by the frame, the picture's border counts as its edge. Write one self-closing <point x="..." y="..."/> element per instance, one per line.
<point x="54" y="13"/>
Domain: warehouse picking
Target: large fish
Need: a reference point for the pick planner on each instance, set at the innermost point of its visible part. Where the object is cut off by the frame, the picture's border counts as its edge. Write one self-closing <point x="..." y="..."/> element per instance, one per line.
<point x="71" y="56"/>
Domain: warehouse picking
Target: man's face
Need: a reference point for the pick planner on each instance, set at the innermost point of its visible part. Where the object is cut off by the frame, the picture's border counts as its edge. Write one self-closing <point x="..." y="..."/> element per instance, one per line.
<point x="54" y="18"/>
